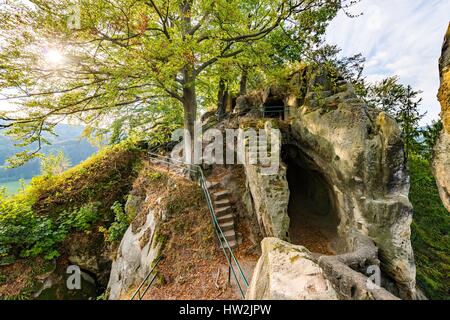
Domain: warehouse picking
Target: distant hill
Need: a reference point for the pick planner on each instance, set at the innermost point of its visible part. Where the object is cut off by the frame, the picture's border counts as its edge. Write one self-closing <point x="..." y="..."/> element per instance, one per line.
<point x="68" y="139"/>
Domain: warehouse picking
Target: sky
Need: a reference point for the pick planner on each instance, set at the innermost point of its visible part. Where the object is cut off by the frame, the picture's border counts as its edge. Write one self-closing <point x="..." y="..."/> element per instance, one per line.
<point x="397" y="37"/>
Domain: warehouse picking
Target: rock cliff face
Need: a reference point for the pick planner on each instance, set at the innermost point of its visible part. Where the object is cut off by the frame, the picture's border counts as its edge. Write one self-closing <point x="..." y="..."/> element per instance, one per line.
<point x="270" y="194"/>
<point x="441" y="163"/>
<point x="138" y="250"/>
<point x="359" y="153"/>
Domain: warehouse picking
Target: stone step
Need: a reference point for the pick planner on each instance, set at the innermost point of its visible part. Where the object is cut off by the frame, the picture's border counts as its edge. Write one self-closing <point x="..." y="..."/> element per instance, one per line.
<point x="230" y="235"/>
<point x="259" y="154"/>
<point x="221" y="195"/>
<point x="261" y="146"/>
<point x="211" y="185"/>
<point x="232" y="244"/>
<point x="225" y="218"/>
<point x="220" y="212"/>
<point x="226" y="226"/>
<point x="260" y="161"/>
<point x="222" y="203"/>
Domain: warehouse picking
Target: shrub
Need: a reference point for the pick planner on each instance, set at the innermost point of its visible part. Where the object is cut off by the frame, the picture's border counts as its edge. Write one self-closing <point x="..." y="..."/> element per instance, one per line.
<point x="430" y="228"/>
<point x="24" y="234"/>
<point x="35" y="221"/>
<point x="120" y="225"/>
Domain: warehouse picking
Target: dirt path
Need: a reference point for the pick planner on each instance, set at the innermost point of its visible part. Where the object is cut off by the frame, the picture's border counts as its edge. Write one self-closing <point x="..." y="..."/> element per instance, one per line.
<point x="313" y="231"/>
<point x="194" y="267"/>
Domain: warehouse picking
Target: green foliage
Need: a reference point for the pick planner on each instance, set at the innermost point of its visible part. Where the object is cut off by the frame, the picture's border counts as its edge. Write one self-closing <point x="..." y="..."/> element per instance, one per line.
<point x="120" y="225"/>
<point x="37" y="220"/>
<point x="24" y="234"/>
<point x="430" y="231"/>
<point x="430" y="135"/>
<point x="402" y="103"/>
<point x="155" y="176"/>
<point x="103" y="178"/>
<point x="81" y="219"/>
<point x="386" y="95"/>
<point x="152" y="57"/>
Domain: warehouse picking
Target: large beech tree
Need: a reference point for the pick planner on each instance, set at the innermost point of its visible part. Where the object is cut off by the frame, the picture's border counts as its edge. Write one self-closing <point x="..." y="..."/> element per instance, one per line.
<point x="125" y="56"/>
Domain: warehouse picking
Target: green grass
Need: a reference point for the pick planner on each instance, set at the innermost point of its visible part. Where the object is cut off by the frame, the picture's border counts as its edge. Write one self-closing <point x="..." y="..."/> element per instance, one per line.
<point x="13" y="187"/>
<point x="430" y="232"/>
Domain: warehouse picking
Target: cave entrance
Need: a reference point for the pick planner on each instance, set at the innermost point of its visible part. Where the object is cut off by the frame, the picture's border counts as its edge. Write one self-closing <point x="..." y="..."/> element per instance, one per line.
<point x="313" y="218"/>
<point x="274" y="108"/>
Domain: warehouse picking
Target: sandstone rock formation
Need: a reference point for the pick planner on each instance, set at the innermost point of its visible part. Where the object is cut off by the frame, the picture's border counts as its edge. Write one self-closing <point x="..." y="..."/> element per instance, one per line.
<point x="359" y="153"/>
<point x="349" y="272"/>
<point x="288" y="272"/>
<point x="270" y="195"/>
<point x="138" y="250"/>
<point x="441" y="163"/>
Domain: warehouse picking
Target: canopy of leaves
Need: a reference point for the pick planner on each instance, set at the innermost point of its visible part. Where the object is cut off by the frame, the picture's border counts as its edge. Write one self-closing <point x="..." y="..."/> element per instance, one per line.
<point x="131" y="62"/>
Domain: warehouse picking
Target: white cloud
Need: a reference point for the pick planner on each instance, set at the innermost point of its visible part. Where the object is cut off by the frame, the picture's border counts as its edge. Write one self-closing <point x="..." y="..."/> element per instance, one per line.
<point x="398" y="37"/>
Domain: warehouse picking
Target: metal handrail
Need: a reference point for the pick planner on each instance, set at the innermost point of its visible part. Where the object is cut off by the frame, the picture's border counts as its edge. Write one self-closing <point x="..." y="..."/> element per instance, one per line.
<point x="219" y="229"/>
<point x="225" y="245"/>
<point x="138" y="290"/>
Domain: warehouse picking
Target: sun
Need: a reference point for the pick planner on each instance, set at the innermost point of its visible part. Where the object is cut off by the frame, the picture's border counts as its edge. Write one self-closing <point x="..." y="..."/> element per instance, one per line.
<point x="54" y="56"/>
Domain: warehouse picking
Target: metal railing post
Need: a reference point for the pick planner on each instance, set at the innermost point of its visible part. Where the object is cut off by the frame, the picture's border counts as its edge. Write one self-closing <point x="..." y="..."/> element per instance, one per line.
<point x="229" y="269"/>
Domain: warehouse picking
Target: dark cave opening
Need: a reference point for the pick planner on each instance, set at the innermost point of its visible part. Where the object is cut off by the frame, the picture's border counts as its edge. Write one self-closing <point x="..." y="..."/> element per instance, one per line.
<point x="274" y="108"/>
<point x="313" y="218"/>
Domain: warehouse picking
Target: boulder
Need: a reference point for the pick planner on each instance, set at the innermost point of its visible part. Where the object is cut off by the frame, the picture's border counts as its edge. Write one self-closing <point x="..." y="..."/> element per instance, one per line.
<point x="441" y="162"/>
<point x="288" y="272"/>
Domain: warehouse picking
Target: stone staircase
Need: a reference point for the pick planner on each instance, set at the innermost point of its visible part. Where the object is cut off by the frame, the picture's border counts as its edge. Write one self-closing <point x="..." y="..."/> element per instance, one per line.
<point x="224" y="211"/>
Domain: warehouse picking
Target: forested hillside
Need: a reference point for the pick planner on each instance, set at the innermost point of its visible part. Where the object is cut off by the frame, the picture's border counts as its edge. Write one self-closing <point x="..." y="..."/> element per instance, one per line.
<point x="68" y="140"/>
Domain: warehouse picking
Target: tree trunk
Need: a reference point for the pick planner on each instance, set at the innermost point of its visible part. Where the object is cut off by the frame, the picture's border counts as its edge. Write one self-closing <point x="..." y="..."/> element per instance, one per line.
<point x="190" y="116"/>
<point x="222" y="98"/>
<point x="243" y="84"/>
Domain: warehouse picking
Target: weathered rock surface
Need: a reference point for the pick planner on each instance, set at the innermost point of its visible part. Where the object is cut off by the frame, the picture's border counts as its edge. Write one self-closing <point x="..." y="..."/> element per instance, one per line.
<point x="270" y="194"/>
<point x="288" y="272"/>
<point x="360" y="153"/>
<point x="441" y="163"/>
<point x="348" y="272"/>
<point x="138" y="250"/>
